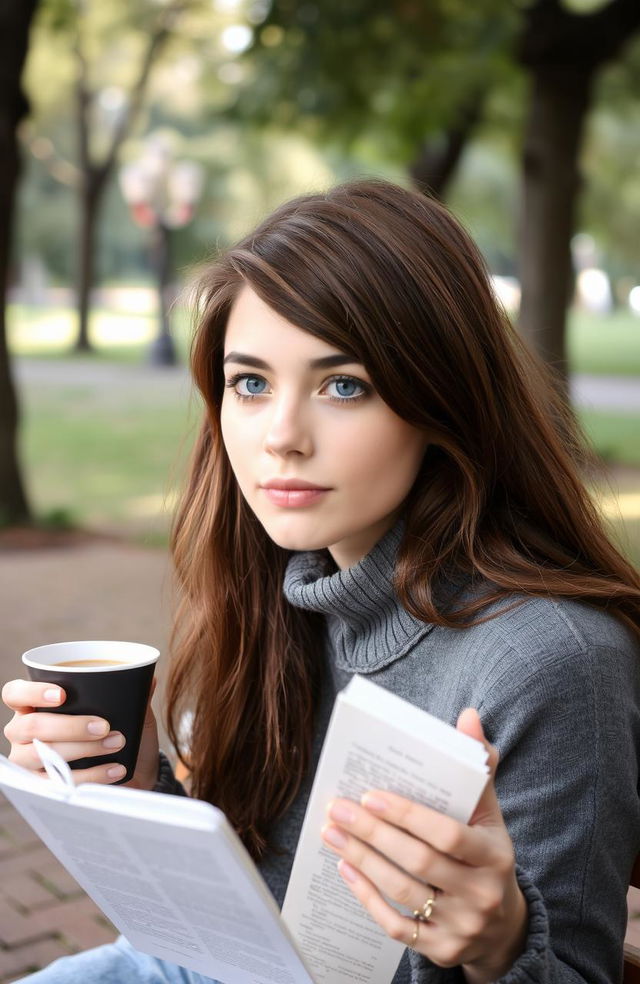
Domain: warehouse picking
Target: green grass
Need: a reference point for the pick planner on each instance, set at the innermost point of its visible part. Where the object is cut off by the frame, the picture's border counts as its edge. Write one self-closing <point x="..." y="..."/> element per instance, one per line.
<point x="109" y="460"/>
<point x="614" y="436"/>
<point x="49" y="333"/>
<point x="604" y="345"/>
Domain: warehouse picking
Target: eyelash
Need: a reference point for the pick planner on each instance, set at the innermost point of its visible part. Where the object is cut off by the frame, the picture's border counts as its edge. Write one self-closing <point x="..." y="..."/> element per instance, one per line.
<point x="245" y="398"/>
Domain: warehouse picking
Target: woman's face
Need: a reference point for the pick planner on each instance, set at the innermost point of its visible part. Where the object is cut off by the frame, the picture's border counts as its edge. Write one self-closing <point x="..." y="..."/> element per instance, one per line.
<point x="320" y="458"/>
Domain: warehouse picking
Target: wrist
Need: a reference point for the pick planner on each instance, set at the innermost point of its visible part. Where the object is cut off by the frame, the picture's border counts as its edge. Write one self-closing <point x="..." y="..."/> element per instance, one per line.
<point x="506" y="949"/>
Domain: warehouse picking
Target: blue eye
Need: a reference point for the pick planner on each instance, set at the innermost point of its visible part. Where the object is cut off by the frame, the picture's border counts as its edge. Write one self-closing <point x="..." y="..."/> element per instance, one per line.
<point x="250" y="385"/>
<point x="346" y="388"/>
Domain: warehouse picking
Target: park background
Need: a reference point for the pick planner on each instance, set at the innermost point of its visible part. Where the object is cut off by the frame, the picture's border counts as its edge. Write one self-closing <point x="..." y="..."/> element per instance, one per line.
<point x="140" y="136"/>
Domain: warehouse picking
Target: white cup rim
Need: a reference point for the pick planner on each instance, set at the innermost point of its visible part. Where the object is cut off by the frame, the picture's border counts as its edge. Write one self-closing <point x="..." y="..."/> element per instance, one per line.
<point x="140" y="655"/>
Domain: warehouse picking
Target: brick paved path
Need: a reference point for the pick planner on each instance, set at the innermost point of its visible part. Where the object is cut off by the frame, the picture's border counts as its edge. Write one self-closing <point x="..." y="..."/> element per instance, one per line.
<point x="92" y="590"/>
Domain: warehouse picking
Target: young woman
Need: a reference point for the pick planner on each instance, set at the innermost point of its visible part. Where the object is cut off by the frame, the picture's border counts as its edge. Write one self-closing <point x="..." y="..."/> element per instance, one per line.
<point x="385" y="483"/>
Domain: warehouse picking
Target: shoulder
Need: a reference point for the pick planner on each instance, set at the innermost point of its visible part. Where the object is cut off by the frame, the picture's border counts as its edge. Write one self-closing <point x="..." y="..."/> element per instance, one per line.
<point x="533" y="652"/>
<point x="556" y="660"/>
<point x="535" y="633"/>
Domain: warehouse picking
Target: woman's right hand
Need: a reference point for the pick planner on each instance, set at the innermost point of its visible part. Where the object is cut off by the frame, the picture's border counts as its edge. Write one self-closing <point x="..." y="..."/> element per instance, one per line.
<point x="73" y="736"/>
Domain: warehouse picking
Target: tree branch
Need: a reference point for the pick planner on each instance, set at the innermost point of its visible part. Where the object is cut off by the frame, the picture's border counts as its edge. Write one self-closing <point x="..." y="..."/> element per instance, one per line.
<point x="83" y="100"/>
<point x="433" y="167"/>
<point x="156" y="41"/>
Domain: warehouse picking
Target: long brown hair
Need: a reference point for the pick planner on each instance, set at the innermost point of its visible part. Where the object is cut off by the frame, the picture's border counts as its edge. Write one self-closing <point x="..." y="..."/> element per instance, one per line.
<point x="390" y="277"/>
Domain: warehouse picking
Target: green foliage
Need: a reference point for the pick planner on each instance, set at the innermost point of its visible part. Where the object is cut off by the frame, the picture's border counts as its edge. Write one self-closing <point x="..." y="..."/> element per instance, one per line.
<point x="58" y="518"/>
<point x="398" y="70"/>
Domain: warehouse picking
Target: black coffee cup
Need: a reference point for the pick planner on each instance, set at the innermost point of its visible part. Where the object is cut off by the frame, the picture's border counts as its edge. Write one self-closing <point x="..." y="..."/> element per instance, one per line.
<point x="111" y="680"/>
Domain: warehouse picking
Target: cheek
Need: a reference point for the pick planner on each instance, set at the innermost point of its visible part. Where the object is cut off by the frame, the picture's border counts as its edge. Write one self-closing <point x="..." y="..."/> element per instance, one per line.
<point x="388" y="453"/>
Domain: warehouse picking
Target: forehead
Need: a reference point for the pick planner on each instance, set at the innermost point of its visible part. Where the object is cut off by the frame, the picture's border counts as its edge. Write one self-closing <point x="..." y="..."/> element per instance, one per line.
<point x="255" y="328"/>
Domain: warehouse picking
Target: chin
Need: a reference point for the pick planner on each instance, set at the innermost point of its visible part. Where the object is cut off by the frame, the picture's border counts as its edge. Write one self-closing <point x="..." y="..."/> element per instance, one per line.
<point x="290" y="538"/>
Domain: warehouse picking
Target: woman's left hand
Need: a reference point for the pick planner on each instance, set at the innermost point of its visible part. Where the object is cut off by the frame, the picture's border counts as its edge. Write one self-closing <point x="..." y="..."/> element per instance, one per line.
<point x="391" y="846"/>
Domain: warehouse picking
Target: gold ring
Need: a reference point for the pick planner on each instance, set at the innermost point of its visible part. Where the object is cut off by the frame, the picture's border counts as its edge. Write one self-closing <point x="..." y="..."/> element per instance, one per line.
<point x="414" y="938"/>
<point x="424" y="914"/>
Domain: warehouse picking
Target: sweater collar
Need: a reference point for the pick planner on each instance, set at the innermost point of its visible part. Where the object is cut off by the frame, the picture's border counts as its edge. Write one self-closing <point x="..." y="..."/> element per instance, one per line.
<point x="367" y="626"/>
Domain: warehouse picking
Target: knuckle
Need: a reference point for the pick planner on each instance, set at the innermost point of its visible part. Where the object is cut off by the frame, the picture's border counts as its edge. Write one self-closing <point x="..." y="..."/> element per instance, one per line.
<point x="475" y="924"/>
<point x="488" y="900"/>
<point x="405" y="809"/>
<point x="447" y="953"/>
<point x="451" y="840"/>
<point x="357" y="853"/>
<point x="491" y="905"/>
<point x="421" y="857"/>
<point x="505" y="863"/>
<point x="30" y="727"/>
<point x="403" y="893"/>
<point x="368" y="826"/>
<point x="8" y="730"/>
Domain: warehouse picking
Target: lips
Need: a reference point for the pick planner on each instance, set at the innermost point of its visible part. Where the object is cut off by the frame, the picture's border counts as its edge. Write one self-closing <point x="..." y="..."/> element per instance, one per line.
<point x="292" y="485"/>
<point x="290" y="493"/>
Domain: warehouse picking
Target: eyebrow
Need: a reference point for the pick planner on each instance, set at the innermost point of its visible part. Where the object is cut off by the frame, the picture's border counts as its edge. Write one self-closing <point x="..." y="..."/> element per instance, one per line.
<point x="326" y="362"/>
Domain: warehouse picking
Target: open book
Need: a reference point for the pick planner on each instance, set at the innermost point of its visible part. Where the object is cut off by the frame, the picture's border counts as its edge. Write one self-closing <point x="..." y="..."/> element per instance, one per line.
<point x="173" y="877"/>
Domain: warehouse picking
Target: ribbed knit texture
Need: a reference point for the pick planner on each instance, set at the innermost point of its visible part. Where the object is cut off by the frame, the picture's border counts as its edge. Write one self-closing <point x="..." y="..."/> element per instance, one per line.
<point x="367" y="627"/>
<point x="557" y="687"/>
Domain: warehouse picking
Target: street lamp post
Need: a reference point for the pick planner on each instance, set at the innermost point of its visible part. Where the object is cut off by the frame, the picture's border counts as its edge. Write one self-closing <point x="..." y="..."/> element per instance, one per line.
<point x="162" y="194"/>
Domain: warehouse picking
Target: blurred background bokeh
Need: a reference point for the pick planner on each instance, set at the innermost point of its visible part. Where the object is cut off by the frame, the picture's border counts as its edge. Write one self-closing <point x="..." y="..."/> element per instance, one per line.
<point x="155" y="131"/>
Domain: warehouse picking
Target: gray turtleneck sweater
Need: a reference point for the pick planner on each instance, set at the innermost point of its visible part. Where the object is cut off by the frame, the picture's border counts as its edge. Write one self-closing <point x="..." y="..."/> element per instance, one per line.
<point x="557" y="687"/>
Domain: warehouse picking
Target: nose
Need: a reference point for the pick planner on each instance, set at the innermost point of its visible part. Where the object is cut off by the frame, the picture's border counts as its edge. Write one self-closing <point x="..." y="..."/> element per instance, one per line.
<point x="288" y="430"/>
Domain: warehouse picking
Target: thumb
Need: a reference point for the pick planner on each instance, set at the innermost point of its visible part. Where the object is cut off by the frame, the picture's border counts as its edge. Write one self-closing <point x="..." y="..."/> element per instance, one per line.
<point x="487" y="812"/>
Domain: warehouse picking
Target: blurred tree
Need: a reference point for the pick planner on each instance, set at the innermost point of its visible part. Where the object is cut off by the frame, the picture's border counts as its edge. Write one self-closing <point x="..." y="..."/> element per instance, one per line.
<point x="610" y="208"/>
<point x="563" y="50"/>
<point x="411" y="76"/>
<point x="105" y="114"/>
<point x="15" y="21"/>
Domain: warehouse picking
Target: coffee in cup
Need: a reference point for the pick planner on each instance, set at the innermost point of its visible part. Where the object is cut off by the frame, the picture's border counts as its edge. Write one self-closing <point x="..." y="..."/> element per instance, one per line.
<point x="90" y="662"/>
<point x="111" y="680"/>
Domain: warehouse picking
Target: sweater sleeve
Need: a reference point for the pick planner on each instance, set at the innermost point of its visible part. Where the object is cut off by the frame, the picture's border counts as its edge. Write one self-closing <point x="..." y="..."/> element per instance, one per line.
<point x="166" y="781"/>
<point x="567" y="730"/>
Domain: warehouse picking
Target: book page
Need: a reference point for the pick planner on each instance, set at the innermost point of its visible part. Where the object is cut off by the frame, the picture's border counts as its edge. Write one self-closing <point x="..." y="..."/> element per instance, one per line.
<point x="340" y="942"/>
<point x="190" y="896"/>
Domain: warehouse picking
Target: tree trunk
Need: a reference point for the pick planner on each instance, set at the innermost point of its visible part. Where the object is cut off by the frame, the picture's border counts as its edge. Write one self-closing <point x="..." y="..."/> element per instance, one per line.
<point x="94" y="174"/>
<point x="15" y="20"/>
<point x="436" y="162"/>
<point x="90" y="202"/>
<point x="563" y="52"/>
<point x="550" y="183"/>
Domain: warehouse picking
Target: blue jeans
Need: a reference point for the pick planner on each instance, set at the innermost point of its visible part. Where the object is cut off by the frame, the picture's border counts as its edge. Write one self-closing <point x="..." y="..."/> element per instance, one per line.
<point x="115" y="963"/>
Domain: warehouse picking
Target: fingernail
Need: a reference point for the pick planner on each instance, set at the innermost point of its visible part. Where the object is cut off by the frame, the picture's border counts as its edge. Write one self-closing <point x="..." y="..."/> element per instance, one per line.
<point x="334" y="836"/>
<point x="116" y="772"/>
<point x="53" y="694"/>
<point x="97" y="727"/>
<point x="113" y="741"/>
<point x="374" y="803"/>
<point x="348" y="873"/>
<point x="341" y="813"/>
